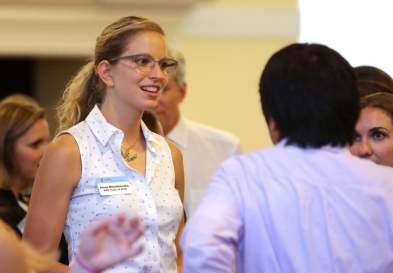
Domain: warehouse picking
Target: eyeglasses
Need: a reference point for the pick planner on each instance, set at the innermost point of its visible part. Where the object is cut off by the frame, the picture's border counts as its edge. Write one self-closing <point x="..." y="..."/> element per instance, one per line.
<point x="145" y="63"/>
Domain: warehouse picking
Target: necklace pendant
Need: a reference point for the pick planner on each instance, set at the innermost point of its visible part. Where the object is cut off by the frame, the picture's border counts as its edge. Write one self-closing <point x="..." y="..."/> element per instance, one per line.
<point x="126" y="154"/>
<point x="129" y="157"/>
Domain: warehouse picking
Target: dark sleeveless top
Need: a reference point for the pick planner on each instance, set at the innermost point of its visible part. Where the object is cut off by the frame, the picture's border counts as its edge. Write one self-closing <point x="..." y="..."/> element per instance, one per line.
<point x="12" y="213"/>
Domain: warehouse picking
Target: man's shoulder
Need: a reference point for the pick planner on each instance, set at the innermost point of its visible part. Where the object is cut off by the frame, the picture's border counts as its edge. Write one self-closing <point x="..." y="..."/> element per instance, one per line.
<point x="245" y="162"/>
<point x="336" y="169"/>
<point x="211" y="133"/>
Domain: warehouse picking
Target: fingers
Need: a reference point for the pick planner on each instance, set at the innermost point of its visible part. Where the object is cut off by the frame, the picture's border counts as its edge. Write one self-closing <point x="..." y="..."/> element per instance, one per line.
<point x="135" y="223"/>
<point x="128" y="230"/>
<point x="115" y="239"/>
<point x="120" y="218"/>
<point x="136" y="251"/>
<point x="103" y="224"/>
<point x="118" y="228"/>
<point x="98" y="226"/>
<point x="134" y="230"/>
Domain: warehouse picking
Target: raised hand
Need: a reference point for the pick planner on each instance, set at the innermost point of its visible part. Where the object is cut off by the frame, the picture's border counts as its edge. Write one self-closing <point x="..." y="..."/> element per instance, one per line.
<point x="108" y="242"/>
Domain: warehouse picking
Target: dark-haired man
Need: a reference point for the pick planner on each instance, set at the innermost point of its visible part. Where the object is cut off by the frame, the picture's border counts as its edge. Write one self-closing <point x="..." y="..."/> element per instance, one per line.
<point x="306" y="205"/>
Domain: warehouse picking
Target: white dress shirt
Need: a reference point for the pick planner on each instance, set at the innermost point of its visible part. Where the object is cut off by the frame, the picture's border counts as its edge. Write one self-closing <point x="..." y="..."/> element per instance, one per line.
<point x="203" y="149"/>
<point x="292" y="210"/>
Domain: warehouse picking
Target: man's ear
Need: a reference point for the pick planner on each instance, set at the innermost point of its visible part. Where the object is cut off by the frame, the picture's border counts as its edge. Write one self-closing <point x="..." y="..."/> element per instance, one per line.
<point x="104" y="72"/>
<point x="183" y="90"/>
<point x="274" y="131"/>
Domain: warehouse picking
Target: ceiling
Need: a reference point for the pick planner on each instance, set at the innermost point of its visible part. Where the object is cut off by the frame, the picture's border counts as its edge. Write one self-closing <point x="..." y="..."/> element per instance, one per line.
<point x="149" y="3"/>
<point x="69" y="27"/>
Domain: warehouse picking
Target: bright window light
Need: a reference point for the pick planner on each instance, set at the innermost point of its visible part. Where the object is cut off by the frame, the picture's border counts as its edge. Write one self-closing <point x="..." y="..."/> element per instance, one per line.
<point x="361" y="30"/>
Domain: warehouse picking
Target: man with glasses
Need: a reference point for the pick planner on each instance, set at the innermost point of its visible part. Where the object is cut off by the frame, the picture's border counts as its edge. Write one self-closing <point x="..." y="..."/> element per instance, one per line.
<point x="203" y="147"/>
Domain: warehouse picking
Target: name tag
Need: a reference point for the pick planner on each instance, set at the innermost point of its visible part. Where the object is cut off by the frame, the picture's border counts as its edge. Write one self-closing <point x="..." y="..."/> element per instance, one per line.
<point x="113" y="185"/>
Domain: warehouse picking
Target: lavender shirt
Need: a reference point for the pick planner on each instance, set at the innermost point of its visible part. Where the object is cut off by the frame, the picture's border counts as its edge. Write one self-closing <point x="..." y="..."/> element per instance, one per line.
<point x="287" y="209"/>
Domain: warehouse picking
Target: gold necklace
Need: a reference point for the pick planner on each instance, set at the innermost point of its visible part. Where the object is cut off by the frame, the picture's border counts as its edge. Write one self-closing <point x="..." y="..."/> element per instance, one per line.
<point x="125" y="151"/>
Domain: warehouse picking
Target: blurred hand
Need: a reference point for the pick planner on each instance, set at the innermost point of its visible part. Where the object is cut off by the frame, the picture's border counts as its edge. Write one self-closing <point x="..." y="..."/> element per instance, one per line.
<point x="111" y="241"/>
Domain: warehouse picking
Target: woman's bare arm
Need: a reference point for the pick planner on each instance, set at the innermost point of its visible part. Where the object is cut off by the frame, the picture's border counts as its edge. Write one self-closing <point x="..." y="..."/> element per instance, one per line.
<point x="57" y="176"/>
<point x="179" y="184"/>
<point x="177" y="158"/>
<point x="12" y="255"/>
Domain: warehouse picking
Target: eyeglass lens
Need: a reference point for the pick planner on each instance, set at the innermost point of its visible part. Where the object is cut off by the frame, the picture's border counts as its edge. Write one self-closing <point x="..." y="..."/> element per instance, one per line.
<point x="146" y="63"/>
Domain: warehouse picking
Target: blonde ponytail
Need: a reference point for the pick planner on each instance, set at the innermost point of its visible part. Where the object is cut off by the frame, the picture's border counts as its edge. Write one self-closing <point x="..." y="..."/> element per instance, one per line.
<point x="79" y="98"/>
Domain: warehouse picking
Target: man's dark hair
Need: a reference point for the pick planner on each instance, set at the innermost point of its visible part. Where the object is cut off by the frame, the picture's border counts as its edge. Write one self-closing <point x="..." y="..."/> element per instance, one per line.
<point x="310" y="92"/>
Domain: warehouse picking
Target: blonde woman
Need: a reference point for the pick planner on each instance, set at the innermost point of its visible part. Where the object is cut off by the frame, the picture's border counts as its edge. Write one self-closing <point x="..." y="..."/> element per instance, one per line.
<point x="105" y="160"/>
<point x="24" y="135"/>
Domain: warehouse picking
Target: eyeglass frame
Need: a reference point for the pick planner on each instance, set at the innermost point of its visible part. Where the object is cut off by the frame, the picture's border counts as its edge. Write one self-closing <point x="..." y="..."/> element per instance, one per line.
<point x="132" y="59"/>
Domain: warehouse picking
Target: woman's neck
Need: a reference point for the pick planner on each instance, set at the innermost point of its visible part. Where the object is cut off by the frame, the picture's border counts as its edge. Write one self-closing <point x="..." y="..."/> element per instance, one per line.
<point x="123" y="117"/>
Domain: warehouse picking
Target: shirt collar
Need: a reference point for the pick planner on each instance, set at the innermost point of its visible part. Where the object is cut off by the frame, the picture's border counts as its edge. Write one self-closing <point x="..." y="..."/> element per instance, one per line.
<point x="150" y="138"/>
<point x="326" y="148"/>
<point x="100" y="127"/>
<point x="104" y="131"/>
<point x="179" y="134"/>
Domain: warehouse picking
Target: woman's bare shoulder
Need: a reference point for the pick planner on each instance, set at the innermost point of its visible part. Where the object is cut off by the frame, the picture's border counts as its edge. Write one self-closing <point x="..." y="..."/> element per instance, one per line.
<point x="61" y="161"/>
<point x="64" y="148"/>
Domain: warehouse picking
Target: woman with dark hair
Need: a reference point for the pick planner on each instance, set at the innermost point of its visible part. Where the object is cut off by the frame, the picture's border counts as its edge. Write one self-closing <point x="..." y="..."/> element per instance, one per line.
<point x="374" y="130"/>
<point x="371" y="80"/>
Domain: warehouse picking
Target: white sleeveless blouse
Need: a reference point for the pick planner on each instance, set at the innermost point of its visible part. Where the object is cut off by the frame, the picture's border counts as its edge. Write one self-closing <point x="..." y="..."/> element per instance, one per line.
<point x="154" y="197"/>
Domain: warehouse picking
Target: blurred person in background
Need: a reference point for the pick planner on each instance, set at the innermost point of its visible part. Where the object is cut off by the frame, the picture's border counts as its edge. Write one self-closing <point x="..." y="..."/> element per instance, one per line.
<point x="372" y="79"/>
<point x="374" y="130"/>
<point x="373" y="137"/>
<point x="203" y="147"/>
<point x="24" y="136"/>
